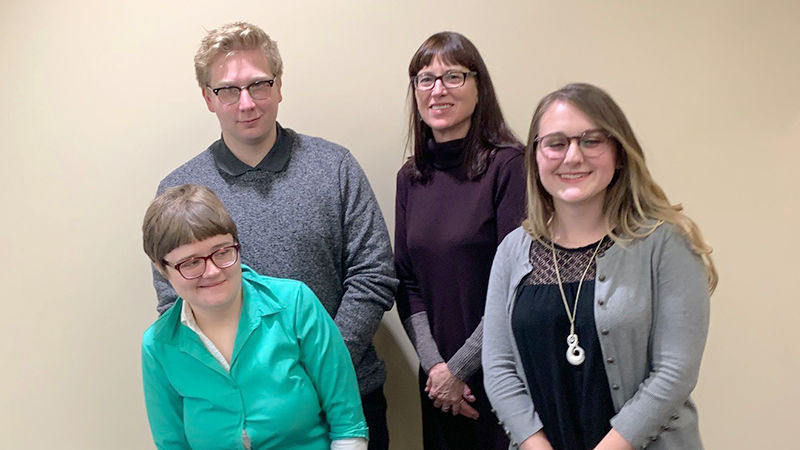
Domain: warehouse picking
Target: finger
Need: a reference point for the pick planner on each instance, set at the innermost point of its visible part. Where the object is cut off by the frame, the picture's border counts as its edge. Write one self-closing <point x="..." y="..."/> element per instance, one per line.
<point x="468" y="411"/>
<point x="467" y="395"/>
<point x="437" y="403"/>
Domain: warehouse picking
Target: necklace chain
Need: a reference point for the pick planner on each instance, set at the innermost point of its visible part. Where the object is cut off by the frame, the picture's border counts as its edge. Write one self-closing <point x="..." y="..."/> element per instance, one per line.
<point x="575" y="354"/>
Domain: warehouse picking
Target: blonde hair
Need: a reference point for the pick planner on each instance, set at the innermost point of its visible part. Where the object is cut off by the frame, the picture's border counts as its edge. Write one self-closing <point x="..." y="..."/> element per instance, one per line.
<point x="634" y="204"/>
<point x="182" y="215"/>
<point x="235" y="36"/>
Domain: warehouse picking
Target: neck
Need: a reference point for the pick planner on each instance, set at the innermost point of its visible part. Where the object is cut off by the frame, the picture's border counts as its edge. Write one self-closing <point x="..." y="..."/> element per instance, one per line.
<point x="216" y="320"/>
<point x="251" y="153"/>
<point x="573" y="226"/>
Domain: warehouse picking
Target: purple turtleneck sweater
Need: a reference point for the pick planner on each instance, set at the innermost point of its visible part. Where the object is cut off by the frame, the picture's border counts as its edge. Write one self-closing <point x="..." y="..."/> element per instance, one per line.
<point x="446" y="233"/>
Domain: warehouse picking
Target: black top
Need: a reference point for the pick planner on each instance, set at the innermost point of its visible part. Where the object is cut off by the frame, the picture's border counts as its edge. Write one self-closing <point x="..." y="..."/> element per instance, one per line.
<point x="573" y="402"/>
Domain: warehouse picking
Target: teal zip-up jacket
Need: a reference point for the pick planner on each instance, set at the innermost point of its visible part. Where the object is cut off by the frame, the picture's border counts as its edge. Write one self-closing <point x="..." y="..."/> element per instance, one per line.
<point x="291" y="382"/>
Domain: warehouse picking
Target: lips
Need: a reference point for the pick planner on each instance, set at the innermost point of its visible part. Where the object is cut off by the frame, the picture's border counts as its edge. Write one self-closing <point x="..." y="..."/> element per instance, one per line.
<point x="212" y="285"/>
<point x="441" y="106"/>
<point x="573" y="176"/>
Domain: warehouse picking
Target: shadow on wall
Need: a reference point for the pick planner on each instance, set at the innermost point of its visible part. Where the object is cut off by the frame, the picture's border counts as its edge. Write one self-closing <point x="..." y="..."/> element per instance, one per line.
<point x="401" y="390"/>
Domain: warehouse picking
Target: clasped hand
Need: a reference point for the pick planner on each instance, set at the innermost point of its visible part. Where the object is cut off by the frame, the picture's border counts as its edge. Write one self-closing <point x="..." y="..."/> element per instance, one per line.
<point x="449" y="393"/>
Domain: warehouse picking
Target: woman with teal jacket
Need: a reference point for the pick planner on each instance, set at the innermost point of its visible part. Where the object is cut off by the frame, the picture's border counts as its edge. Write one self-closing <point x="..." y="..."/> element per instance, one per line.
<point x="241" y="360"/>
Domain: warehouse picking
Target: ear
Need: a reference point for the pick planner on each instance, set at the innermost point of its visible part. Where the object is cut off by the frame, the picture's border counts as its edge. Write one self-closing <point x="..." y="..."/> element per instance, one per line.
<point x="207" y="96"/>
<point x="278" y="85"/>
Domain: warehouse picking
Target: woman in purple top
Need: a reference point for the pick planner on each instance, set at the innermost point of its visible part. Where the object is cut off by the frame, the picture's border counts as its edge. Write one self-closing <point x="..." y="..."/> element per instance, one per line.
<point x="458" y="196"/>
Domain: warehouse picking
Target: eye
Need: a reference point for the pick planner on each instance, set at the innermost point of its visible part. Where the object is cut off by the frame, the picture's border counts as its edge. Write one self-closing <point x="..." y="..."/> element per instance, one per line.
<point x="190" y="264"/>
<point x="425" y="79"/>
<point x="452" y="77"/>
<point x="555" y="142"/>
<point x="223" y="252"/>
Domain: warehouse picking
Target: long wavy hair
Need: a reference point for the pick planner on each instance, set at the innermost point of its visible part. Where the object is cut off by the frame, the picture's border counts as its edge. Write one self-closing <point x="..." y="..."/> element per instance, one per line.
<point x="487" y="130"/>
<point x="634" y="204"/>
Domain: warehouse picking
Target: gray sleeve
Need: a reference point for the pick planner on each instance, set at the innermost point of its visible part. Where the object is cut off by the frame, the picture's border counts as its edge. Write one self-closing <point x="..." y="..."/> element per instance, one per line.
<point x="504" y="385"/>
<point x="467" y="359"/>
<point x="419" y="332"/>
<point x="369" y="281"/>
<point x="678" y="337"/>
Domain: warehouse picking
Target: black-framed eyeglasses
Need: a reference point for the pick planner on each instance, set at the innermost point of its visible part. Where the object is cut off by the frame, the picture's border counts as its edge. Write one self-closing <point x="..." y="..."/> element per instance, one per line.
<point x="195" y="267"/>
<point x="451" y="79"/>
<point x="591" y="142"/>
<point x="258" y="90"/>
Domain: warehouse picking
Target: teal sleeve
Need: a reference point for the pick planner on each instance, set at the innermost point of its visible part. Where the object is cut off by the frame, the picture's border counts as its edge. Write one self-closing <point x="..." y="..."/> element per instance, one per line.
<point x="164" y="405"/>
<point x="326" y="359"/>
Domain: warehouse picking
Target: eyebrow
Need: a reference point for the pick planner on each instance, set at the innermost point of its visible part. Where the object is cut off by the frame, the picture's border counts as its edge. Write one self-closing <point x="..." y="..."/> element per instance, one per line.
<point x="213" y="249"/>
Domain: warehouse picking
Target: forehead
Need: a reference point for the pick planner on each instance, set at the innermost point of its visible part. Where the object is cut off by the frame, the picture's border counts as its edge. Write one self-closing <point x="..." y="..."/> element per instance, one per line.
<point x="239" y="65"/>
<point x="199" y="248"/>
<point x="564" y="117"/>
<point x="437" y="65"/>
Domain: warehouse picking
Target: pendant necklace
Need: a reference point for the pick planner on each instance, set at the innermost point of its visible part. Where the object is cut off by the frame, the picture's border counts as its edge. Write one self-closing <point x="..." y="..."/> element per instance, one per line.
<point x="575" y="353"/>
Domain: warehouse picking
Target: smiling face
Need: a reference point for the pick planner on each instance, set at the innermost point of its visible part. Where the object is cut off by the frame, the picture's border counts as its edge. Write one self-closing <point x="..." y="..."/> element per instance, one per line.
<point x="574" y="180"/>
<point x="248" y="123"/>
<point x="217" y="289"/>
<point x="447" y="111"/>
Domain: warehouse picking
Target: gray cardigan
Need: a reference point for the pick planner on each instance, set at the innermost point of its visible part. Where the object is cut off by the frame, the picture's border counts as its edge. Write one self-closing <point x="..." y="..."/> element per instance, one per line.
<point x="651" y="311"/>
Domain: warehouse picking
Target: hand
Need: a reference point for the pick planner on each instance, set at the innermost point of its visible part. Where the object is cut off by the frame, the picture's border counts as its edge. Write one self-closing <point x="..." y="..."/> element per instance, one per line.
<point x="614" y="441"/>
<point x="449" y="393"/>
<point x="538" y="441"/>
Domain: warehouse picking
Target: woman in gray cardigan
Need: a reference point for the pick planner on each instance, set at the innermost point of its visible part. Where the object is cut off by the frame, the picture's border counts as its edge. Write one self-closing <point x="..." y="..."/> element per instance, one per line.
<point x="597" y="308"/>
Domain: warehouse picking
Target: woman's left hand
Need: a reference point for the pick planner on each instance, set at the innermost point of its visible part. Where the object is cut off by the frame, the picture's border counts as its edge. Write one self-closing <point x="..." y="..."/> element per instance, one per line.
<point x="443" y="387"/>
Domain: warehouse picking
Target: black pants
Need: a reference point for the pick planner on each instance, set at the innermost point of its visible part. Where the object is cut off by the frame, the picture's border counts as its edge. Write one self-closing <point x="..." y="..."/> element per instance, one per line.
<point x="374" y="405"/>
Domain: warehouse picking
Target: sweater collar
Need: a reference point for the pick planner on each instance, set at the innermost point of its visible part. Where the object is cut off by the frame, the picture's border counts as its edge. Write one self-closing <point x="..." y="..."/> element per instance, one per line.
<point x="447" y="155"/>
<point x="276" y="160"/>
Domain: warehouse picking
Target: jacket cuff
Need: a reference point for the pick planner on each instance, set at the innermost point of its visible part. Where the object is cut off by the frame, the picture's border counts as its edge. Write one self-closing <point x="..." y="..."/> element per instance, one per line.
<point x="467" y="359"/>
<point x="419" y="332"/>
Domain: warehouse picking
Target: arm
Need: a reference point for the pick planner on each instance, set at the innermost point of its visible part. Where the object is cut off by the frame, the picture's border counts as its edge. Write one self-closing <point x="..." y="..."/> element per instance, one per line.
<point x="368" y="274"/>
<point x="678" y="333"/>
<point x="327" y="362"/>
<point x="410" y="305"/>
<point x="164" y="405"/>
<point x="504" y="386"/>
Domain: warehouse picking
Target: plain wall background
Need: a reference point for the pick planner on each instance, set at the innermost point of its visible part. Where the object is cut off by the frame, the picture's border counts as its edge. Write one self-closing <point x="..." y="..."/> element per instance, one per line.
<point x="99" y="103"/>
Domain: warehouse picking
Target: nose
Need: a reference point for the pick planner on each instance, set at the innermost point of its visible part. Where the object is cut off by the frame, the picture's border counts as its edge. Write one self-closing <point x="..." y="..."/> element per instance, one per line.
<point x="438" y="87"/>
<point x="245" y="101"/>
<point x="574" y="154"/>
<point x="211" y="269"/>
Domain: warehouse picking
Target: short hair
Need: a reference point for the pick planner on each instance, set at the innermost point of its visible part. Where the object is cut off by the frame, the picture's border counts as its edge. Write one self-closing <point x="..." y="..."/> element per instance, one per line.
<point x="182" y="215"/>
<point x="235" y="36"/>
<point x="634" y="204"/>
<point x="488" y="129"/>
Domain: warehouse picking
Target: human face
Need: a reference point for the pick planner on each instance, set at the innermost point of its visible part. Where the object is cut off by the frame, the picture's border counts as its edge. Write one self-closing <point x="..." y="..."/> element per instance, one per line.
<point x="217" y="289"/>
<point x="447" y="111"/>
<point x="247" y="123"/>
<point x="576" y="179"/>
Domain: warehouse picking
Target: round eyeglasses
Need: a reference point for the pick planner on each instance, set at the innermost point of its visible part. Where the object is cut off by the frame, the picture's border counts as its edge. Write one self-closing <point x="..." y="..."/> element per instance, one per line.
<point x="258" y="90"/>
<point x="195" y="267"/>
<point x="451" y="79"/>
<point x="591" y="142"/>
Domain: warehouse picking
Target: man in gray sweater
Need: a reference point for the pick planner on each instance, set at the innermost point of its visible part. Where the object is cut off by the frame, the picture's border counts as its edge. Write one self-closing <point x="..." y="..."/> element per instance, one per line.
<point x="303" y="206"/>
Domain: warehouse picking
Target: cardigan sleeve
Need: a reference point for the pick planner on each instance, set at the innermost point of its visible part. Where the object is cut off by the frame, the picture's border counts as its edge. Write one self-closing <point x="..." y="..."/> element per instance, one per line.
<point x="327" y="362"/>
<point x="163" y="404"/>
<point x="504" y="385"/>
<point x="677" y="339"/>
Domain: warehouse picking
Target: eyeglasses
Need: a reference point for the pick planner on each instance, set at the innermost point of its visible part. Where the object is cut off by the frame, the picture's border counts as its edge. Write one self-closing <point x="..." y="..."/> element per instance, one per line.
<point x="258" y="90"/>
<point x="451" y="79"/>
<point x="195" y="267"/>
<point x="591" y="142"/>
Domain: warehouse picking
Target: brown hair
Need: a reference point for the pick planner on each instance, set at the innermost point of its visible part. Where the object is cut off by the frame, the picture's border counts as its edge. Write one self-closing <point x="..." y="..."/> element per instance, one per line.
<point x="634" y="203"/>
<point x="487" y="130"/>
<point x="182" y="215"/>
<point x="235" y="36"/>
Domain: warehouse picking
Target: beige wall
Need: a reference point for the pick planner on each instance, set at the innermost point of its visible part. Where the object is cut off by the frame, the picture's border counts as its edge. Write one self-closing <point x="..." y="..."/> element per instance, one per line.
<point x="99" y="103"/>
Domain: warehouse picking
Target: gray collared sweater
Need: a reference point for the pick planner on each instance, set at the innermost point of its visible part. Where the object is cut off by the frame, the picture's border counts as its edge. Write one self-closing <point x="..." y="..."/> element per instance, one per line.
<point x="651" y="311"/>
<point x="306" y="212"/>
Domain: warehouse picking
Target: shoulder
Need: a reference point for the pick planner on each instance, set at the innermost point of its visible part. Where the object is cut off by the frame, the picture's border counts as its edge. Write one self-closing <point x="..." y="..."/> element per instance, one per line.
<point x="515" y="243"/>
<point x="164" y="328"/>
<point x="507" y="162"/>
<point x="317" y="147"/>
<point x="198" y="169"/>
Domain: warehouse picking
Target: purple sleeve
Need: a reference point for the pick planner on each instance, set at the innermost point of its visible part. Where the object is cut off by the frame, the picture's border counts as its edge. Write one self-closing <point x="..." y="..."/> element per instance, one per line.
<point x="510" y="195"/>
<point x="409" y="297"/>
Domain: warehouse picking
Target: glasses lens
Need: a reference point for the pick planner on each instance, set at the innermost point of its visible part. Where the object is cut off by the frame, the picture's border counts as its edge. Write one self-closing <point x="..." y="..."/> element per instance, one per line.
<point x="225" y="257"/>
<point x="594" y="138"/>
<point x="425" y="81"/>
<point x="555" y="142"/>
<point x="453" y="79"/>
<point x="260" y="90"/>
<point x="228" y="95"/>
<point x="192" y="268"/>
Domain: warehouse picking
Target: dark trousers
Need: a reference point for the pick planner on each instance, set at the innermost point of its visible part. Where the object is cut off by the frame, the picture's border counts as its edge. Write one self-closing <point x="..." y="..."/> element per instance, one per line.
<point x="374" y="405"/>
